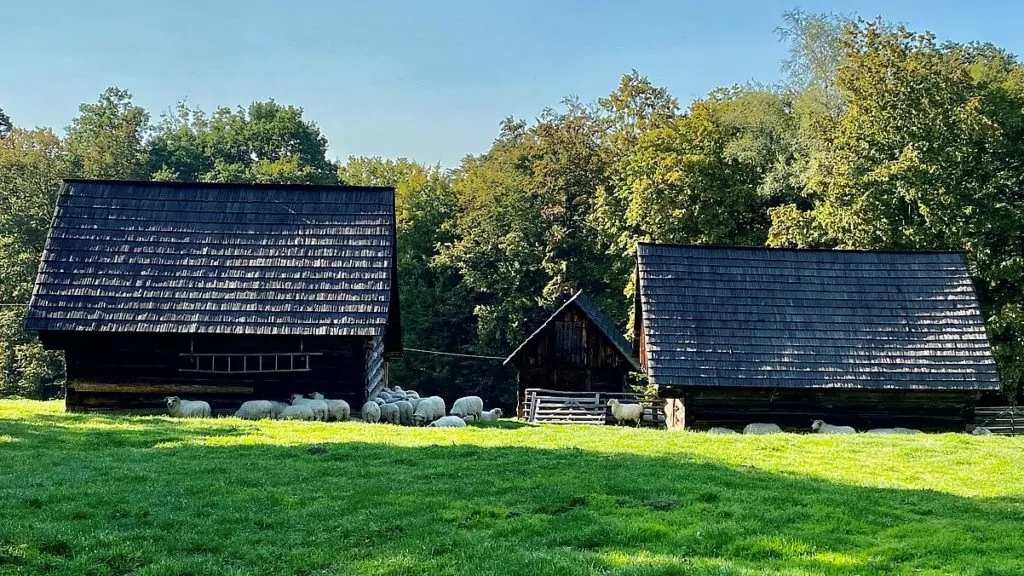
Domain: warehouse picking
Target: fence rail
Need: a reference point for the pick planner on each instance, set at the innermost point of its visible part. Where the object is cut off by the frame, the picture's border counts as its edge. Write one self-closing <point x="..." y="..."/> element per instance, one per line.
<point x="1002" y="420"/>
<point x="561" y="407"/>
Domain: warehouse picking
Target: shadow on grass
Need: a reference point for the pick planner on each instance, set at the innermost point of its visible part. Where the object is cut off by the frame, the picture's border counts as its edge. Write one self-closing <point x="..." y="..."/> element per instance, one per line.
<point x="79" y="500"/>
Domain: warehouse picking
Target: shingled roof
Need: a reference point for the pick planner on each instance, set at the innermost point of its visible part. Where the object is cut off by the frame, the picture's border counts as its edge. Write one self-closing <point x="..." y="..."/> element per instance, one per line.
<point x="591" y="311"/>
<point x="218" y="258"/>
<point x="761" y="317"/>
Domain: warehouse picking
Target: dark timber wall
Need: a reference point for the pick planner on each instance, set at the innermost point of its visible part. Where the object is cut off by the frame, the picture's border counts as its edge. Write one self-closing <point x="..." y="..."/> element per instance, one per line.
<point x="571" y="354"/>
<point x="135" y="372"/>
<point x="796" y="408"/>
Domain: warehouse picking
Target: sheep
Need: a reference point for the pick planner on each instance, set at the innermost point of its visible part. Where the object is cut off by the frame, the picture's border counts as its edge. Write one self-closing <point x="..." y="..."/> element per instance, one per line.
<point x="981" y="431"/>
<point x="371" y="412"/>
<point x="411" y="395"/>
<point x="723" y="431"/>
<point x="896" y="430"/>
<point x="448" y="422"/>
<point x="319" y="407"/>
<point x="428" y="410"/>
<point x="277" y="408"/>
<point x="404" y="412"/>
<point x="758" y="428"/>
<point x="468" y="406"/>
<point x="379" y="401"/>
<point x="336" y="409"/>
<point x="415" y="402"/>
<point x="468" y="418"/>
<point x="298" y="412"/>
<point x="626" y="412"/>
<point x="492" y="415"/>
<point x="255" y="410"/>
<point x="390" y="413"/>
<point x="821" y="427"/>
<point x="187" y="408"/>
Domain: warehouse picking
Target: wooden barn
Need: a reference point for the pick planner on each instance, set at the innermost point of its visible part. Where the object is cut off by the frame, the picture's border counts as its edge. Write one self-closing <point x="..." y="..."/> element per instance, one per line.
<point x="576" y="350"/>
<point x="222" y="292"/>
<point x="867" y="339"/>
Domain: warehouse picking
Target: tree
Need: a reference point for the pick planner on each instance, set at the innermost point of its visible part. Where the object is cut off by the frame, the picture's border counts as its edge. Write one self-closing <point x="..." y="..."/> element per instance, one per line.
<point x="264" y="143"/>
<point x="32" y="164"/>
<point x="5" y="124"/>
<point x="106" y="139"/>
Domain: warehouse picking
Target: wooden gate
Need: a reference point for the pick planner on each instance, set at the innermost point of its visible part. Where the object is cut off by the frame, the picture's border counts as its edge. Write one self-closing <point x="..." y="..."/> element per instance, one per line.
<point x="1002" y="420"/>
<point x="562" y="407"/>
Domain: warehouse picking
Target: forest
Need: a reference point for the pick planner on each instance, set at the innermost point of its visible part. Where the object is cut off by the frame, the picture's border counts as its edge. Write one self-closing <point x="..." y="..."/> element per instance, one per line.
<point x="878" y="138"/>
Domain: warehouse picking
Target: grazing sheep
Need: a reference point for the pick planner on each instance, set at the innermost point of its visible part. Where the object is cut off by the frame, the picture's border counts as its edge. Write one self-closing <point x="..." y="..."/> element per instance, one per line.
<point x="187" y="408"/>
<point x="626" y="412"/>
<point x="492" y="415"/>
<point x="723" y="431"/>
<point x="404" y="412"/>
<point x="428" y="410"/>
<point x="336" y="409"/>
<point x="390" y="413"/>
<point x="319" y="407"/>
<point x="821" y="427"/>
<point x="448" y="422"/>
<point x="468" y="406"/>
<point x="981" y="431"/>
<point x="298" y="412"/>
<point x="371" y="412"/>
<point x="468" y="418"/>
<point x="277" y="408"/>
<point x="255" y="410"/>
<point x="758" y="428"/>
<point x="907" y="430"/>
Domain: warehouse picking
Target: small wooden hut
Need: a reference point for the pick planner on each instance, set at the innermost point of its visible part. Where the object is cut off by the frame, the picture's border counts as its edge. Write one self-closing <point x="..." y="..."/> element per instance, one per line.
<point x="223" y="292"/>
<point x="867" y="339"/>
<point x="576" y="350"/>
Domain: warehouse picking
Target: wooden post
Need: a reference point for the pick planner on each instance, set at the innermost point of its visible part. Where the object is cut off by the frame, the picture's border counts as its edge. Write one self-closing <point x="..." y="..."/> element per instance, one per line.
<point x="675" y="416"/>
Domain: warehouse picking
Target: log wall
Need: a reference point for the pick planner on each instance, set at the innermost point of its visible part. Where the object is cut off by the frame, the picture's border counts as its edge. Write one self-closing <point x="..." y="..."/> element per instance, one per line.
<point x="134" y="372"/>
<point x="795" y="408"/>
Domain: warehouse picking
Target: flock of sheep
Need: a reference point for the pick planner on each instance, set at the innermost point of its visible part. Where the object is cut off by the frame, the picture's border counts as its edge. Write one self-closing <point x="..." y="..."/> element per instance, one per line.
<point x="391" y="405"/>
<point x="818" y="427"/>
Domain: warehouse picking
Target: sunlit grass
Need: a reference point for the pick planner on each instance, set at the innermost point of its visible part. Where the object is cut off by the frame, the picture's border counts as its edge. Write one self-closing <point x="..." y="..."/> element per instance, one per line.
<point x="89" y="494"/>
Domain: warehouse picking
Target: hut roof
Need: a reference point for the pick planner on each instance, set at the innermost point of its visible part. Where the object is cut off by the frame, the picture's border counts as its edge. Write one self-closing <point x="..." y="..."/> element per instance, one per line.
<point x="761" y="317"/>
<point x="595" y="315"/>
<point x="218" y="258"/>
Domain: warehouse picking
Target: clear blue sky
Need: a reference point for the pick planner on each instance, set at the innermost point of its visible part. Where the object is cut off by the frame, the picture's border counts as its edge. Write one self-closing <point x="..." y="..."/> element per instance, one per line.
<point x="429" y="79"/>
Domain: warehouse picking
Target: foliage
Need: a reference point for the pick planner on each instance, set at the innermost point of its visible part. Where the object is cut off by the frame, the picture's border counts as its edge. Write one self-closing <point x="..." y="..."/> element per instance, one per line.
<point x="222" y="495"/>
<point x="264" y="143"/>
<point x="106" y="139"/>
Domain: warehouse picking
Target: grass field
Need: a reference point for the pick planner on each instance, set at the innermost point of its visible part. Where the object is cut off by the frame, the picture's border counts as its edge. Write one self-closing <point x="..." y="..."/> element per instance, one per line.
<point x="85" y="494"/>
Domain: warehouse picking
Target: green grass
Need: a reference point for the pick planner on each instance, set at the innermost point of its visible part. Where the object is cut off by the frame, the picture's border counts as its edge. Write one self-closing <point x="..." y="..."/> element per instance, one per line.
<point x="85" y="494"/>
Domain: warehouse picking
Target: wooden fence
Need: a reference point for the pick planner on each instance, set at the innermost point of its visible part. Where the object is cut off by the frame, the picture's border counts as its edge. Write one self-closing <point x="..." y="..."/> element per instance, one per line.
<point x="1002" y="420"/>
<point x="561" y="407"/>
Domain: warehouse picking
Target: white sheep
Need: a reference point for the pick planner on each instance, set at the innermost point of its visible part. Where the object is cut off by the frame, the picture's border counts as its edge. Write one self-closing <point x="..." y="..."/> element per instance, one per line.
<point x="415" y="402"/>
<point x="981" y="431"/>
<point x="404" y="412"/>
<point x="255" y="410"/>
<point x="277" y="408"/>
<point x="411" y="394"/>
<point x="626" y="412"/>
<point x="319" y="407"/>
<point x="390" y="413"/>
<point x="397" y="389"/>
<point x="896" y="430"/>
<point x="758" y="428"/>
<point x="722" y="431"/>
<point x="821" y="427"/>
<point x="468" y="418"/>
<point x="371" y="412"/>
<point x="336" y="409"/>
<point x="448" y="422"/>
<point x="492" y="415"/>
<point x="907" y="430"/>
<point x="187" y="408"/>
<point x="379" y="401"/>
<point x="468" y="406"/>
<point x="298" y="412"/>
<point x="428" y="410"/>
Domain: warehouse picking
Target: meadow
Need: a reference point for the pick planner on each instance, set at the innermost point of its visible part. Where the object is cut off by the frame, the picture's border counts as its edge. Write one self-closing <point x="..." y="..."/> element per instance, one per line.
<point x="98" y="494"/>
